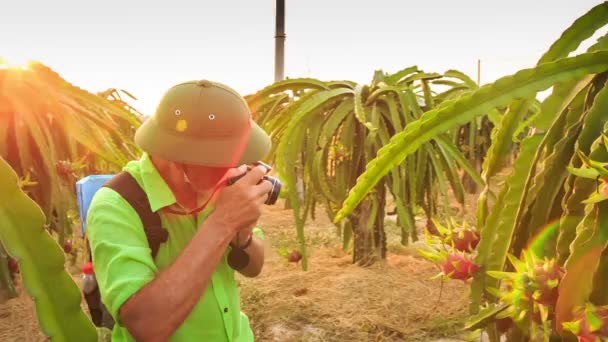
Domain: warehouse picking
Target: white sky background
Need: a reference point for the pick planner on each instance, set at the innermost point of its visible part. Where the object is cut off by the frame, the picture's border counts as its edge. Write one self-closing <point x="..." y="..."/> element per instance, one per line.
<point x="146" y="47"/>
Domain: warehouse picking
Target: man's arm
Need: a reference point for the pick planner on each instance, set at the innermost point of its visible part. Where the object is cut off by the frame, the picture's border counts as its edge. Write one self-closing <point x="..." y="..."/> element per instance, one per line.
<point x="159" y="308"/>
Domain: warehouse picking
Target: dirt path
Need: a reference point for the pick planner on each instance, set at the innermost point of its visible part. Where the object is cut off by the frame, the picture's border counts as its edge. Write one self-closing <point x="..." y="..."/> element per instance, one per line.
<point x="333" y="301"/>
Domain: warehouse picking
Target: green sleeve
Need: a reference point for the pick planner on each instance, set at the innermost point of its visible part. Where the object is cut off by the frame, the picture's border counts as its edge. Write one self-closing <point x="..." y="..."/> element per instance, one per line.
<point x="122" y="260"/>
<point x="258" y="232"/>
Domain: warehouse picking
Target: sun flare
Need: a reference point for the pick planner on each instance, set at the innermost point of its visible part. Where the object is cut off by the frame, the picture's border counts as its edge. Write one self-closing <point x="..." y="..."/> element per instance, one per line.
<point x="14" y="62"/>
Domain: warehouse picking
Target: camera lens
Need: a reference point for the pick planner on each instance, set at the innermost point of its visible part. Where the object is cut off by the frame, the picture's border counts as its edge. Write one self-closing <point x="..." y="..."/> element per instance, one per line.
<point x="273" y="195"/>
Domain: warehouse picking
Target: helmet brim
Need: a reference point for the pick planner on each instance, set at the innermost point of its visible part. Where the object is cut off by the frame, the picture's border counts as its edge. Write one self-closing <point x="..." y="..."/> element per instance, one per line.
<point x="170" y="145"/>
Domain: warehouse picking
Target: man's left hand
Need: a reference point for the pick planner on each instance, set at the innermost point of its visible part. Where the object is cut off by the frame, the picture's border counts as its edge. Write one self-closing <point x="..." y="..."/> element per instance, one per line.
<point x="255" y="250"/>
<point x="241" y="238"/>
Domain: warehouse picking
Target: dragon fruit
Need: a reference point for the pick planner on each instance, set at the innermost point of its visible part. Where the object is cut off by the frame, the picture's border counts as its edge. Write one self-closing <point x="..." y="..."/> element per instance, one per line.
<point x="503" y="325"/>
<point x="590" y="324"/>
<point x="531" y="291"/>
<point x="459" y="266"/>
<point x="547" y="277"/>
<point x="67" y="246"/>
<point x="13" y="266"/>
<point x="465" y="240"/>
<point x="294" y="256"/>
<point x="534" y="280"/>
<point x="64" y="168"/>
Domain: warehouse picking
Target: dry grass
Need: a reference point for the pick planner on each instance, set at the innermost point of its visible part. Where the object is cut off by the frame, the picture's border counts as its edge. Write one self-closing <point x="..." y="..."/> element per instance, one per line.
<point x="18" y="320"/>
<point x="337" y="301"/>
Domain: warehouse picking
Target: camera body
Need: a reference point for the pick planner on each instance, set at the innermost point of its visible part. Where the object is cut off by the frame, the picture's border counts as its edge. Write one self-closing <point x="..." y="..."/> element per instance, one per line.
<point x="273" y="194"/>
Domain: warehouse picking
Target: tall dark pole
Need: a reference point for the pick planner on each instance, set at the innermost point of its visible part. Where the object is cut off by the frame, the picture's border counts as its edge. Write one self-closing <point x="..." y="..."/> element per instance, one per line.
<point x="279" y="42"/>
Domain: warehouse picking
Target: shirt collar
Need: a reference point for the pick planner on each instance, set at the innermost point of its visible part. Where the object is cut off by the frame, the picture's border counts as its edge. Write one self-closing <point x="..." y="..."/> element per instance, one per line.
<point x="159" y="193"/>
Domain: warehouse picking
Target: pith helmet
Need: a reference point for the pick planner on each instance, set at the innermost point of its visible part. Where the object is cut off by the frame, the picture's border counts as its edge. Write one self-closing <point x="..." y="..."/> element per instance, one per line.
<point x="203" y="123"/>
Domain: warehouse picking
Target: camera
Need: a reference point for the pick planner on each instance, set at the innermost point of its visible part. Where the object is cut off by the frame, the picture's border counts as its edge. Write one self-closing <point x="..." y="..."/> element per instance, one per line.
<point x="273" y="195"/>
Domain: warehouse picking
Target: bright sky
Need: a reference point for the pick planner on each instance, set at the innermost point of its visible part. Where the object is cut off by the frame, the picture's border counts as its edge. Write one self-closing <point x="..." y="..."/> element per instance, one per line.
<point x="147" y="46"/>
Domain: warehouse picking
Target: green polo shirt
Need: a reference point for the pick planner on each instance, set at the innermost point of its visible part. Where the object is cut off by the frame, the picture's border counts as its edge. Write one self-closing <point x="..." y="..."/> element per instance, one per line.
<point x="123" y="262"/>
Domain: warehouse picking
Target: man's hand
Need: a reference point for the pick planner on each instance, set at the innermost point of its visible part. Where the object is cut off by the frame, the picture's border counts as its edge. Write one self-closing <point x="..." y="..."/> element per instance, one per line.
<point x="237" y="206"/>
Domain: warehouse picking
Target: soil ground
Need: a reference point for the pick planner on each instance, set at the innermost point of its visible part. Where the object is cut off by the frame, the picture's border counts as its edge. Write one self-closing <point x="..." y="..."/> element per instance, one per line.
<point x="333" y="300"/>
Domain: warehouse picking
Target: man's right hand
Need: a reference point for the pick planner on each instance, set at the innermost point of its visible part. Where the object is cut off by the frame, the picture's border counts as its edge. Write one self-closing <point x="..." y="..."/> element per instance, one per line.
<point x="237" y="206"/>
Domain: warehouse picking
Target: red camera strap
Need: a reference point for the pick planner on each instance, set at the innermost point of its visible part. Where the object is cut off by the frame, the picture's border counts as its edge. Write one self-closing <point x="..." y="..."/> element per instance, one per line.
<point x="197" y="210"/>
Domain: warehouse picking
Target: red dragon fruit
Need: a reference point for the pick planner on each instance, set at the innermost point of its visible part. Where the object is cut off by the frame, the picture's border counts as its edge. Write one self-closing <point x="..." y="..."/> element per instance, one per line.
<point x="67" y="246"/>
<point x="462" y="238"/>
<point x="530" y="291"/>
<point x="547" y="277"/>
<point x="64" y="168"/>
<point x="503" y="325"/>
<point x="534" y="280"/>
<point x="465" y="240"/>
<point x="590" y="324"/>
<point x="13" y="266"/>
<point x="294" y="256"/>
<point x="459" y="266"/>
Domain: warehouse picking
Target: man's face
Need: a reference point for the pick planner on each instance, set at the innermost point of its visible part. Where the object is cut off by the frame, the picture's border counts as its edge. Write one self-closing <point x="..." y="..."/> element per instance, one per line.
<point x="204" y="178"/>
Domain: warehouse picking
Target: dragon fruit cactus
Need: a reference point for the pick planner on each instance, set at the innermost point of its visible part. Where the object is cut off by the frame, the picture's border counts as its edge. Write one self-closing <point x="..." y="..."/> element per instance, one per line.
<point x="594" y="170"/>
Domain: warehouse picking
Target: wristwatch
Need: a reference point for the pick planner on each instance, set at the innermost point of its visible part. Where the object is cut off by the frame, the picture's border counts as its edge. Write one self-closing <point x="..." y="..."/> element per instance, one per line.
<point x="247" y="243"/>
<point x="238" y="258"/>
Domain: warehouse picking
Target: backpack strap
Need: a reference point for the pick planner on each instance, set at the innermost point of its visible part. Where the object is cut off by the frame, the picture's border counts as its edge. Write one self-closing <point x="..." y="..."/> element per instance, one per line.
<point x="129" y="189"/>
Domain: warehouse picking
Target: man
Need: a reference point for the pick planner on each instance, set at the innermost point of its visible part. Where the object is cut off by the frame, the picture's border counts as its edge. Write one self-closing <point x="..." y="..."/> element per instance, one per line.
<point x="198" y="136"/>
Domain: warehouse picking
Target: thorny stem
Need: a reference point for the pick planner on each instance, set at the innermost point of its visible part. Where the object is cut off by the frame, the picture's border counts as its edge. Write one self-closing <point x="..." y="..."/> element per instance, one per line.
<point x="440" y="290"/>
